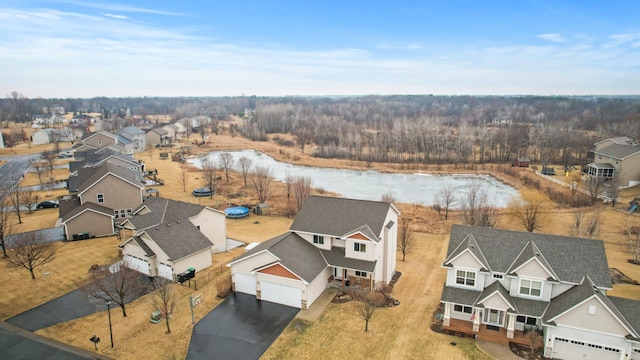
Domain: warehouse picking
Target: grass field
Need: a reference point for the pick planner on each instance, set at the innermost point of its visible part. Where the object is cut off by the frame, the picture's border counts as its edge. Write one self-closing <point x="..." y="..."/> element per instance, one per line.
<point x="398" y="332"/>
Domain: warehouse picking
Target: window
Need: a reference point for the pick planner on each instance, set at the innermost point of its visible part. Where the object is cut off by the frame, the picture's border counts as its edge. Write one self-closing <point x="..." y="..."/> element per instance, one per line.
<point x="128" y="212"/>
<point x="361" y="273"/>
<point x="464" y="309"/>
<point x="116" y="213"/>
<point x="100" y="198"/>
<point x="465" y="278"/>
<point x="359" y="247"/>
<point x="530" y="287"/>
<point x="318" y="239"/>
<point x="497" y="276"/>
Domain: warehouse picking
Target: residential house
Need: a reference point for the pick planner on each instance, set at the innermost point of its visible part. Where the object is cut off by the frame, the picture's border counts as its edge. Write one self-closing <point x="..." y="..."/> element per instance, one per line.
<point x="44" y="136"/>
<point x="172" y="131"/>
<point x="132" y="138"/>
<point x="515" y="282"/>
<point x="158" y="136"/>
<point x="99" y="139"/>
<point x="344" y="241"/>
<point x="167" y="237"/>
<point x="96" y="157"/>
<point x="117" y="190"/>
<point x="1" y="140"/>
<point x="616" y="157"/>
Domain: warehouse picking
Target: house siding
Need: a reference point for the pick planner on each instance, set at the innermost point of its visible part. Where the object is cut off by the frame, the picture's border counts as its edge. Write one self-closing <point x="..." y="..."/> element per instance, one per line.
<point x="533" y="269"/>
<point x="213" y="225"/>
<point x="602" y="321"/>
<point x="495" y="302"/>
<point x="99" y="140"/>
<point x="369" y="254"/>
<point x="199" y="261"/>
<point x="118" y="194"/>
<point x="96" y="224"/>
<point x="317" y="286"/>
<point x="249" y="264"/>
<point x="279" y="270"/>
<point x="467" y="261"/>
<point x="309" y="238"/>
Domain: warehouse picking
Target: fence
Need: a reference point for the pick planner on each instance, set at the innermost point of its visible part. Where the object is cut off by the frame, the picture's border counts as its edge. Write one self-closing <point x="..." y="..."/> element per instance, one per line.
<point x="574" y="186"/>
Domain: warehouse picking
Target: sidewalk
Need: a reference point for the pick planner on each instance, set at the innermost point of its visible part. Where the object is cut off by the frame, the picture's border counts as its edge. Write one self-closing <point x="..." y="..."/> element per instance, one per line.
<point x="317" y="308"/>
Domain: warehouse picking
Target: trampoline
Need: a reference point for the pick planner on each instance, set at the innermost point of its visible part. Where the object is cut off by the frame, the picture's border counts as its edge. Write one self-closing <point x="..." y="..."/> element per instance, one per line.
<point x="236" y="212"/>
<point x="202" y="192"/>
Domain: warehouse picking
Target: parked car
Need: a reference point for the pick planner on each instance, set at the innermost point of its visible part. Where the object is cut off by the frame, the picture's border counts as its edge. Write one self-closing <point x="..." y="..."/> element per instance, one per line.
<point x="205" y="191"/>
<point x="548" y="171"/>
<point x="65" y="155"/>
<point x="48" y="204"/>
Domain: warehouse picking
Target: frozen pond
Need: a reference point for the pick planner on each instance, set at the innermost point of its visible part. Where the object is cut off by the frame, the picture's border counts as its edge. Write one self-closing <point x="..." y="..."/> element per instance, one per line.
<point x="414" y="188"/>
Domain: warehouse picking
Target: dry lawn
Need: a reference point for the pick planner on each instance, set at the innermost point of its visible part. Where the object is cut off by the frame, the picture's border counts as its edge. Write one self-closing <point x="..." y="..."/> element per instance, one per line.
<point x="399" y="332"/>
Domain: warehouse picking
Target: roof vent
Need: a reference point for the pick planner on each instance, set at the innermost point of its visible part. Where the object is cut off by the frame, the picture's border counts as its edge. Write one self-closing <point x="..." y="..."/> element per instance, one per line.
<point x="537" y="254"/>
<point x="157" y="228"/>
<point x="472" y="246"/>
<point x="168" y="225"/>
<point x="178" y="221"/>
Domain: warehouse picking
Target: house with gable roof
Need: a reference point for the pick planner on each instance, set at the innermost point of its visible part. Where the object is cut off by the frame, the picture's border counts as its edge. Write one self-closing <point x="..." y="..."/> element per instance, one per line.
<point x="133" y="139"/>
<point x="616" y="157"/>
<point x="513" y="282"/>
<point x="350" y="242"/>
<point x="166" y="237"/>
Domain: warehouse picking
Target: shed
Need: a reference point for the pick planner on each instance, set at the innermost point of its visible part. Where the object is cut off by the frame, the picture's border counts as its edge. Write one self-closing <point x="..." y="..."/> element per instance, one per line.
<point x="522" y="162"/>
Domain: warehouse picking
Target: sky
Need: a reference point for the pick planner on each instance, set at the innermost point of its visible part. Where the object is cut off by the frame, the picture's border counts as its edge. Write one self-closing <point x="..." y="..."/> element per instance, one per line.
<point x="80" y="48"/>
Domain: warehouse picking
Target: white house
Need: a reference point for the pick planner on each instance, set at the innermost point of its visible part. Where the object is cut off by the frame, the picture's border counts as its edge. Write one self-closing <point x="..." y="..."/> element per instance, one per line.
<point x="519" y="282"/>
<point x="44" y="136"/>
<point x="350" y="242"/>
<point x="166" y="237"/>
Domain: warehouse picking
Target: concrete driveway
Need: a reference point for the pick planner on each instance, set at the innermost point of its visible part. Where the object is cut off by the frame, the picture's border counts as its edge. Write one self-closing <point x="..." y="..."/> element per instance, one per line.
<point x="241" y="327"/>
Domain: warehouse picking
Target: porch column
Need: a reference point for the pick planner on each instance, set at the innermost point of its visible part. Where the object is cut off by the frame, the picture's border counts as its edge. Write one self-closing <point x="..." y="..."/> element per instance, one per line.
<point x="476" y="320"/>
<point x="446" y="319"/>
<point x="511" y="322"/>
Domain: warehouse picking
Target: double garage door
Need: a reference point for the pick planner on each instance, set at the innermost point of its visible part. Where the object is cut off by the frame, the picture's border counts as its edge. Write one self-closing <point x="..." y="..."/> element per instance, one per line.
<point x="272" y="292"/>
<point x="137" y="264"/>
<point x="573" y="349"/>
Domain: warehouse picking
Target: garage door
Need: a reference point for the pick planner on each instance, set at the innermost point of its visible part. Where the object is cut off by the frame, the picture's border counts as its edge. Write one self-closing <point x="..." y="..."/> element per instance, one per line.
<point x="165" y="271"/>
<point x="137" y="264"/>
<point x="574" y="349"/>
<point x="245" y="283"/>
<point x="281" y="294"/>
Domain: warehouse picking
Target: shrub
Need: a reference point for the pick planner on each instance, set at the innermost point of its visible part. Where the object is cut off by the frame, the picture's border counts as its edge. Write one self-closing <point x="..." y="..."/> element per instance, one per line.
<point x="224" y="287"/>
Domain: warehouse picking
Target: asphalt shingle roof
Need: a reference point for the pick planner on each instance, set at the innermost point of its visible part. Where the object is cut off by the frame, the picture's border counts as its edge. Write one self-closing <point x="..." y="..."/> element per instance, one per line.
<point x="570" y="258"/>
<point x="618" y="151"/>
<point x="178" y="240"/>
<point x="106" y="168"/>
<point x="163" y="211"/>
<point x="460" y="296"/>
<point x="87" y="206"/>
<point x="335" y="257"/>
<point x="338" y="216"/>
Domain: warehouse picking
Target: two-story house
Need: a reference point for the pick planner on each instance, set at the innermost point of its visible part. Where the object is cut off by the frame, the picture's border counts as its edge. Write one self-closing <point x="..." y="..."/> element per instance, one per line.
<point x="166" y="237"/>
<point x="616" y="157"/>
<point x="513" y="282"/>
<point x="133" y="139"/>
<point x="350" y="242"/>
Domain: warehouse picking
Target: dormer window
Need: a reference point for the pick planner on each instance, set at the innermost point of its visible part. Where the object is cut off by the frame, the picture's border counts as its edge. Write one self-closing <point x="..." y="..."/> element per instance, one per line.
<point x="466" y="278"/>
<point x="359" y="247"/>
<point x="530" y="287"/>
<point x="318" y="239"/>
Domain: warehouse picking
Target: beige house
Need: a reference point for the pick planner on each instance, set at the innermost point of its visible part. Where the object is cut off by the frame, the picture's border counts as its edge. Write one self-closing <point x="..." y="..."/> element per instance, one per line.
<point x="165" y="237"/>
<point x="516" y="283"/>
<point x="88" y="220"/>
<point x="616" y="157"/>
<point x="100" y="139"/>
<point x="158" y="136"/>
<point x="340" y="241"/>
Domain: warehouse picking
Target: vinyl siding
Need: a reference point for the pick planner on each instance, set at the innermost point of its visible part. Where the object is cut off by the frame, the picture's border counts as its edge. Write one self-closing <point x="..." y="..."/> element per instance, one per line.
<point x="99" y="140"/>
<point x="467" y="261"/>
<point x="118" y="194"/>
<point x="213" y="225"/>
<point x="603" y="321"/>
<point x="248" y="264"/>
<point x="533" y="269"/>
<point x="279" y="270"/>
<point x="200" y="261"/>
<point x="495" y="302"/>
<point x="96" y="224"/>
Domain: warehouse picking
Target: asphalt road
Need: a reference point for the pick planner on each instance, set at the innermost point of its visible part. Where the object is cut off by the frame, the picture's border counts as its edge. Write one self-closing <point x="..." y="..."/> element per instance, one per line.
<point x="16" y="166"/>
<point x="241" y="327"/>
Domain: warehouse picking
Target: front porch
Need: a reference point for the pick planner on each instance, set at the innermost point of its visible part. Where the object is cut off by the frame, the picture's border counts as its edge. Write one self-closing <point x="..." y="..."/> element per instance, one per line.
<point x="490" y="333"/>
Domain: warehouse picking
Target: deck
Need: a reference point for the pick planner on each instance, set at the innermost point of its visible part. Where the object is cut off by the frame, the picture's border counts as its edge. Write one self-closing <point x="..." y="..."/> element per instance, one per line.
<point x="496" y="336"/>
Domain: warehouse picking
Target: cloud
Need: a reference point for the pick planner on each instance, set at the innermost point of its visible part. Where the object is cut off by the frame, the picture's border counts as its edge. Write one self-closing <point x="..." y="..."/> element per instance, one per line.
<point x="557" y="38"/>
<point x="117" y="7"/>
<point x="116" y="16"/>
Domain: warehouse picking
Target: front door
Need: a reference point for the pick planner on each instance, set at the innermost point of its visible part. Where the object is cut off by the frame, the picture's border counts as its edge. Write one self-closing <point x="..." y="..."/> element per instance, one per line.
<point x="494" y="317"/>
<point x="339" y="273"/>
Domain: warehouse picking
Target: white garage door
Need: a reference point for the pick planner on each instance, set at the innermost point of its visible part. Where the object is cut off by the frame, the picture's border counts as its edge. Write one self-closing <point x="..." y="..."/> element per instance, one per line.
<point x="245" y="283"/>
<point x="137" y="264"/>
<point x="573" y="349"/>
<point x="281" y="294"/>
<point x="165" y="271"/>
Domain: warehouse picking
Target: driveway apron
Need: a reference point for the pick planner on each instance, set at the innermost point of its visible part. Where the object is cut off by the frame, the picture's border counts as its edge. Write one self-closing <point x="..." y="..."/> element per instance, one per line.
<point x="241" y="327"/>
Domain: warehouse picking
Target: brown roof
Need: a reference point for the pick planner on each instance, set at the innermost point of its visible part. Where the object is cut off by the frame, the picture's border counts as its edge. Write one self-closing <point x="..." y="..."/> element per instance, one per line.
<point x="88" y="206"/>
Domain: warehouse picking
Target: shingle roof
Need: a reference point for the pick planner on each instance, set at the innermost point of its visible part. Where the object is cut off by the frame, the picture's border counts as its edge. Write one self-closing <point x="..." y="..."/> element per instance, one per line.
<point x="179" y="240"/>
<point x="336" y="257"/>
<point x="529" y="307"/>
<point x="459" y="296"/>
<point x="159" y="131"/>
<point x="619" y="151"/>
<point x="163" y="211"/>
<point x="106" y="168"/>
<point x="131" y="130"/>
<point x="294" y="253"/>
<point x="630" y="309"/>
<point x="87" y="206"/>
<point x="147" y="250"/>
<point x="338" y="216"/>
<point x="570" y="258"/>
<point x="493" y="288"/>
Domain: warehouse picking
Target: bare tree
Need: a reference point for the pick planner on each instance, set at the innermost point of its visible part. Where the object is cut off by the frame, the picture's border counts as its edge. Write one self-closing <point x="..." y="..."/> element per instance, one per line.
<point x="40" y="167"/>
<point x="67" y="134"/>
<point x="446" y="198"/>
<point x="613" y="189"/>
<point x="121" y="286"/>
<point x="365" y="303"/>
<point x="50" y="158"/>
<point x="209" y="174"/>
<point x="405" y="238"/>
<point x="476" y="209"/>
<point x="226" y="163"/>
<point x="594" y="185"/>
<point x="13" y="193"/>
<point x="164" y="300"/>
<point x="586" y="226"/>
<point x="245" y="168"/>
<point x="28" y="199"/>
<point x="631" y="245"/>
<point x="529" y="209"/>
<point x="388" y="197"/>
<point x="6" y="225"/>
<point x="31" y="251"/>
<point x="288" y="181"/>
<point x="302" y="186"/>
<point x="183" y="177"/>
<point x="261" y="179"/>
